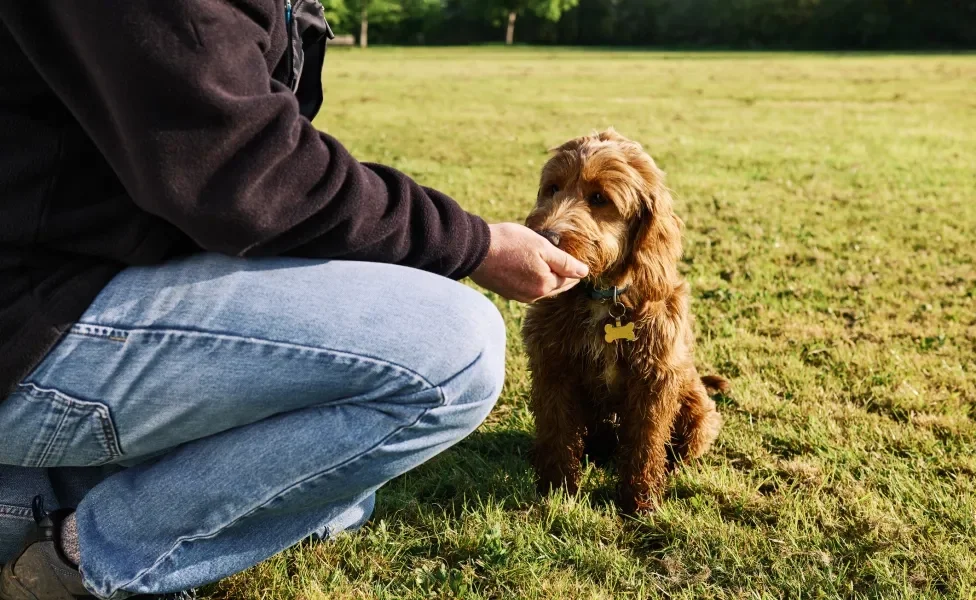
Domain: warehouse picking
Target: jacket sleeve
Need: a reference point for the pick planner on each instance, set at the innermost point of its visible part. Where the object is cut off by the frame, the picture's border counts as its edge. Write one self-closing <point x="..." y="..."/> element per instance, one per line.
<point x="179" y="98"/>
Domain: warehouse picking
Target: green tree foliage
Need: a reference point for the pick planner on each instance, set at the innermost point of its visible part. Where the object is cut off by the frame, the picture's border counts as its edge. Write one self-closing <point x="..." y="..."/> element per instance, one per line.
<point x="358" y="15"/>
<point x="813" y="24"/>
<point x="336" y="12"/>
<point x="508" y="11"/>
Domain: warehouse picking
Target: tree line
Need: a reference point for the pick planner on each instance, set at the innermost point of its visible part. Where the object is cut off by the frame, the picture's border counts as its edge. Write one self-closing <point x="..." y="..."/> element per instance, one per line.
<point x="795" y="24"/>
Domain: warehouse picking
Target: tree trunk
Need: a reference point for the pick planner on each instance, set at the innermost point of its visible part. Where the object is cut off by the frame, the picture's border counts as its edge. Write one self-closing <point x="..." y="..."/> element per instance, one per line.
<point x="363" y="27"/>
<point x="510" y="32"/>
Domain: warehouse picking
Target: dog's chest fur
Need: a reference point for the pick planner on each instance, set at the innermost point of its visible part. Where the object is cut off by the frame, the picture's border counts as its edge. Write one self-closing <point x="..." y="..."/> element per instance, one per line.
<point x="605" y="356"/>
<point x="573" y="333"/>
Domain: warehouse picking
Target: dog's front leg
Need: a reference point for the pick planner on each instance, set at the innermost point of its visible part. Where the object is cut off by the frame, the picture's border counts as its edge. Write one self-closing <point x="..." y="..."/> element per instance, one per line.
<point x="559" y="427"/>
<point x="645" y="430"/>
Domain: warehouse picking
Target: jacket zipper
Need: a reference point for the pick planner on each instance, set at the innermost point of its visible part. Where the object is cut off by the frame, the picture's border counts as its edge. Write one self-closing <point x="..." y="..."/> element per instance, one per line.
<point x="291" y="41"/>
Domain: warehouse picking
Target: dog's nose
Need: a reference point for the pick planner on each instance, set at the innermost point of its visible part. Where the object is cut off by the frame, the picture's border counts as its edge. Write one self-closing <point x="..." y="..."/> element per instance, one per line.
<point x="550" y="235"/>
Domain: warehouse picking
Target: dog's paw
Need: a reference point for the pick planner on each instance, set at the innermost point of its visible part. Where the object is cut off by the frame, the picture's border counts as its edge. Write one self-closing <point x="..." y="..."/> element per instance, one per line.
<point x="544" y="488"/>
<point x="635" y="508"/>
<point x="634" y="503"/>
<point x="550" y="482"/>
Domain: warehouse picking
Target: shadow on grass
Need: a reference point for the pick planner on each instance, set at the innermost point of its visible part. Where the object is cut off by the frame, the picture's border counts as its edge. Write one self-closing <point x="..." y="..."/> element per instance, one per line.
<point x="488" y="466"/>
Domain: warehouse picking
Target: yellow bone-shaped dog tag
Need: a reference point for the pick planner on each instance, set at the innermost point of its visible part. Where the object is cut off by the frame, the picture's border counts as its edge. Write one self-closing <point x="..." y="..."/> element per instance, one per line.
<point x="619" y="332"/>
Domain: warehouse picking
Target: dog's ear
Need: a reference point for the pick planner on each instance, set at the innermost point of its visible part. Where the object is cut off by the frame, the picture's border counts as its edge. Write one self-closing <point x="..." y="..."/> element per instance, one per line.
<point x="610" y="135"/>
<point x="656" y="246"/>
<point x="569" y="146"/>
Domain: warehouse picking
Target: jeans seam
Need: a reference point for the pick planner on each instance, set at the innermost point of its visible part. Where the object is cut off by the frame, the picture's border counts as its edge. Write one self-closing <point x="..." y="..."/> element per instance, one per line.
<point x="52" y="442"/>
<point x="190" y="332"/>
<point x="15" y="511"/>
<point x="98" y="332"/>
<point x="182" y="540"/>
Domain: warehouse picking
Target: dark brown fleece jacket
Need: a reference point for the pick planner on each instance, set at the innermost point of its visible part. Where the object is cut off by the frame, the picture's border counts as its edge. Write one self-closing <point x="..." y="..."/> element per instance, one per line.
<point x="135" y="131"/>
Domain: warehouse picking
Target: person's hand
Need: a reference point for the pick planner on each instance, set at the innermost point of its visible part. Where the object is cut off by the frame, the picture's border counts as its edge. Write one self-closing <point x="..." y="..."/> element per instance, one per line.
<point x="522" y="265"/>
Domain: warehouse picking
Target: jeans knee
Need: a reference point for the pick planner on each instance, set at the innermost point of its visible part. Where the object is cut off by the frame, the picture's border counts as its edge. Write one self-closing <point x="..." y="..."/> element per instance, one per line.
<point x="483" y="339"/>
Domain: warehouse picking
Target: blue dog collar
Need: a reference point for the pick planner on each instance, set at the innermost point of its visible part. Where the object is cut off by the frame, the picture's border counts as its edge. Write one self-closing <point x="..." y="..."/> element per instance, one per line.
<point x="605" y="293"/>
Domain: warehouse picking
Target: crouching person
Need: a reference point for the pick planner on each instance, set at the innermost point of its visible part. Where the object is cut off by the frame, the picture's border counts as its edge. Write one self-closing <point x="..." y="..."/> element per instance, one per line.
<point x="219" y="332"/>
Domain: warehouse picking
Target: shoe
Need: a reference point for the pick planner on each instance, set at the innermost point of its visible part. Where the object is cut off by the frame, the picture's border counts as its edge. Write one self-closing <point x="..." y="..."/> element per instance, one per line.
<point x="41" y="571"/>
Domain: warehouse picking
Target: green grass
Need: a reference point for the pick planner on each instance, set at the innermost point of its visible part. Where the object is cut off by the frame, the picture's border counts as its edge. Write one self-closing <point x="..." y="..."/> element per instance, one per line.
<point x="830" y="204"/>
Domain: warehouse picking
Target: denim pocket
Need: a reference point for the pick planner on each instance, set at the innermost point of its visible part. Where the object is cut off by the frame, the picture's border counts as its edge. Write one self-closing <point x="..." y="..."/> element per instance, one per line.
<point x="50" y="429"/>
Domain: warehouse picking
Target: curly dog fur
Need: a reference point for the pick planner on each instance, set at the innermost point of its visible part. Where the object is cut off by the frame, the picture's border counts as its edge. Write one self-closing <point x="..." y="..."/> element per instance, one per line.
<point x="603" y="200"/>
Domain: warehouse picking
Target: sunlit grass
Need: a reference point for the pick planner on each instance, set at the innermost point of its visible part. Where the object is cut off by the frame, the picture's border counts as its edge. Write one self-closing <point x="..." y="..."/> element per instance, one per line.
<point x="830" y="204"/>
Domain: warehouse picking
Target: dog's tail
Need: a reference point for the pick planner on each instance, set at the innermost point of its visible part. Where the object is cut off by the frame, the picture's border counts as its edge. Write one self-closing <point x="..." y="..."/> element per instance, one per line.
<point x="716" y="384"/>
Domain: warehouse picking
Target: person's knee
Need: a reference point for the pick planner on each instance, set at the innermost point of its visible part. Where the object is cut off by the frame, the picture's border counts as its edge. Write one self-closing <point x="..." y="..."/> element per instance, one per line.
<point x="480" y="355"/>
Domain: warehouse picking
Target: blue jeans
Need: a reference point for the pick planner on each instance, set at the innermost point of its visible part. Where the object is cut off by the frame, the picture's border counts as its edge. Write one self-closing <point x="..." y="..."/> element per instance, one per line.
<point x="225" y="409"/>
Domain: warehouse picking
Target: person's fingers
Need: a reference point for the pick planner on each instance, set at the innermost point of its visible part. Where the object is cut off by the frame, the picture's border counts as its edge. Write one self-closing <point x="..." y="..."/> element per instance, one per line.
<point x="553" y="285"/>
<point x="563" y="264"/>
<point x="564" y="284"/>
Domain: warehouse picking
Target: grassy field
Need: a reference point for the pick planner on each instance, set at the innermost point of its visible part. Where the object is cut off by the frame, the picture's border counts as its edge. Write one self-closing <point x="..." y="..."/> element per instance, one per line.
<point x="830" y="204"/>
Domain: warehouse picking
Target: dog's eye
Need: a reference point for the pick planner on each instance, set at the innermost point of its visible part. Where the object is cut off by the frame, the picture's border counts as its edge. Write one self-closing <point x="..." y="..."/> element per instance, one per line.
<point x="553" y="189"/>
<point x="597" y="199"/>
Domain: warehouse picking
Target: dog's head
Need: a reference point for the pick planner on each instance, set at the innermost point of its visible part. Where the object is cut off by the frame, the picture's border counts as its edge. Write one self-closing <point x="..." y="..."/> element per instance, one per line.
<point x="603" y="200"/>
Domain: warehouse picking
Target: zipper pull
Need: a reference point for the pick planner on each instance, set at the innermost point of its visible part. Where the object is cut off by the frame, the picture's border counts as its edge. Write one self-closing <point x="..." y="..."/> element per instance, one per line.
<point x="288" y="12"/>
<point x="37" y="508"/>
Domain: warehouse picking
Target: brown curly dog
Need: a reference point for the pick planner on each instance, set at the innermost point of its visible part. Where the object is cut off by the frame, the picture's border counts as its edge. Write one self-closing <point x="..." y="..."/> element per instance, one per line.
<point x="612" y="362"/>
